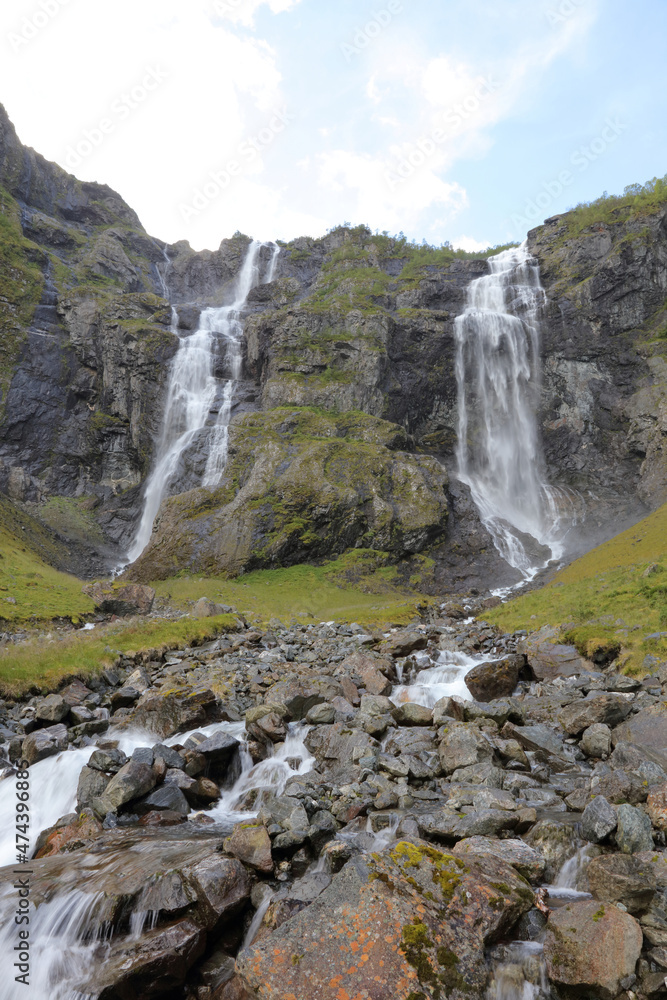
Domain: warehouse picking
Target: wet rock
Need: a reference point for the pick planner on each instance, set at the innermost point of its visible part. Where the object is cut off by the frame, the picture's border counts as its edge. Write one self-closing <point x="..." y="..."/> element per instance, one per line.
<point x="498" y="679"/>
<point x="403" y="643"/>
<point x="323" y="827"/>
<point x="338" y="744"/>
<point x="223" y="887"/>
<point x="598" y="820"/>
<point x="171" y="713"/>
<point x="44" y="743"/>
<point x="92" y="784"/>
<point x="53" y="708"/>
<point x="410" y="714"/>
<point x="132" y="781"/>
<point x="165" y="797"/>
<point x="287" y="902"/>
<point x="527" y="861"/>
<point x="170" y="756"/>
<point x="161" y="817"/>
<point x="218" y="749"/>
<point x="623" y="879"/>
<point x="251" y="844"/>
<point x="79" y="833"/>
<point x="410" y="920"/>
<point x="596" y="740"/>
<point x="592" y="946"/>
<point x="446" y="709"/>
<point x="556" y="842"/>
<point x="157" y="963"/>
<point x="299" y="696"/>
<point x="109" y="761"/>
<point x="656" y="804"/>
<point x="121" y="599"/>
<point x="268" y="728"/>
<point x="603" y="708"/>
<point x="633" y="831"/>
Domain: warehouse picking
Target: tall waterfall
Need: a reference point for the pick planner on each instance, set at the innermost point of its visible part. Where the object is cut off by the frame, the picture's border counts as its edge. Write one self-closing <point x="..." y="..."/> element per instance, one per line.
<point x="498" y="379"/>
<point x="194" y="390"/>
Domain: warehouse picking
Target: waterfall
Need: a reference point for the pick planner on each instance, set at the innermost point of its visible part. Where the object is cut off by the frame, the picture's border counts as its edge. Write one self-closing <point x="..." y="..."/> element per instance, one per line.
<point x="498" y="381"/>
<point x="194" y="390"/>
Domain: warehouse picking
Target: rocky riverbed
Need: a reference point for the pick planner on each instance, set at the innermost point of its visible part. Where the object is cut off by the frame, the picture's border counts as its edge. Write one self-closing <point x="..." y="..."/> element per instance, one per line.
<point x="321" y="811"/>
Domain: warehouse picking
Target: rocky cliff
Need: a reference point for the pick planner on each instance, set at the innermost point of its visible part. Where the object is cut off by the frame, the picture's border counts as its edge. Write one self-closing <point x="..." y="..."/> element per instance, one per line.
<point x="344" y="424"/>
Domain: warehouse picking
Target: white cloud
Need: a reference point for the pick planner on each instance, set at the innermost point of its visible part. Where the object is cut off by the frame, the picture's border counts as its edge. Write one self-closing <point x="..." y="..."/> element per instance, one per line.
<point x="243" y="11"/>
<point x="469" y="244"/>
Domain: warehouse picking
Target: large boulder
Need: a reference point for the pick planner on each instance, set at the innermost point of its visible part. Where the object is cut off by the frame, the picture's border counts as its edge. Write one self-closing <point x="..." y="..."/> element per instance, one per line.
<point x="408" y="922"/>
<point x="549" y="659"/>
<point x="301" y="694"/>
<point x="593" y="947"/>
<point x="167" y="714"/>
<point x="461" y="746"/>
<point x="131" y="782"/>
<point x="53" y="708"/>
<point x="44" y="743"/>
<point x="527" y="861"/>
<point x="623" y="879"/>
<point x="602" y="708"/>
<point x="120" y="598"/>
<point x="488" y="681"/>
<point x="648" y="728"/>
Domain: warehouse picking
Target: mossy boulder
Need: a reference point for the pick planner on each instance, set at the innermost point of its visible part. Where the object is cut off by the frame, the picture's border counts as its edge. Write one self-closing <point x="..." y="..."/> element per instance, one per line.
<point x="301" y="484"/>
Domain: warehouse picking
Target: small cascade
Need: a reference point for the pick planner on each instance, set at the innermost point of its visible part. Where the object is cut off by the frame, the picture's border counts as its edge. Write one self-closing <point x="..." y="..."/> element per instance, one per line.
<point x="518" y="972"/>
<point x="498" y="381"/>
<point x="194" y="391"/>
<point x="443" y="679"/>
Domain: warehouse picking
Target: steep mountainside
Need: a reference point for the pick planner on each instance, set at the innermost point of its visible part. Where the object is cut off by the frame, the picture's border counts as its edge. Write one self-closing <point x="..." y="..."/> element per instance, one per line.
<point x="344" y="422"/>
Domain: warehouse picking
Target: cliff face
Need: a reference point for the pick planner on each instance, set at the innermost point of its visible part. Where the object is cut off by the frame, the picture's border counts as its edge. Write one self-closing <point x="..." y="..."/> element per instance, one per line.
<point x="344" y="425"/>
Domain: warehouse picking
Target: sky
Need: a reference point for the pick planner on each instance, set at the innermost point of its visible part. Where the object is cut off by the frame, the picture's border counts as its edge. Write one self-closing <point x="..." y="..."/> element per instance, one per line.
<point x="447" y="121"/>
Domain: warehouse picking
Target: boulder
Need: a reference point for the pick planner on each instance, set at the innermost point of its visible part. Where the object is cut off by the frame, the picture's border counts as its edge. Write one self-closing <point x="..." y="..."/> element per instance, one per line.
<point x="593" y="947"/>
<point x="408" y="713"/>
<point x="539" y="738"/>
<point x="619" y="878"/>
<point x="602" y="708"/>
<point x="92" y="784"/>
<point x="598" y="820"/>
<point x="409" y="921"/>
<point x="71" y="836"/>
<point x="549" y="660"/>
<point x="656" y="805"/>
<point x="121" y="598"/>
<point x="648" y="728"/>
<point x="374" y="680"/>
<point x="449" y="826"/>
<point x="461" y="746"/>
<point x="633" y="830"/>
<point x="596" y="741"/>
<point x="124" y="697"/>
<point x="324" y="713"/>
<point x="403" y="643"/>
<point x="131" y="782"/>
<point x="53" y="708"/>
<point x="166" y="797"/>
<point x="218" y="749"/>
<point x="205" y="608"/>
<point x="44" y="743"/>
<point x="300" y="695"/>
<point x="167" y="714"/>
<point x="556" y="842"/>
<point x="251" y="844"/>
<point x="498" y="679"/>
<point x="527" y="861"/>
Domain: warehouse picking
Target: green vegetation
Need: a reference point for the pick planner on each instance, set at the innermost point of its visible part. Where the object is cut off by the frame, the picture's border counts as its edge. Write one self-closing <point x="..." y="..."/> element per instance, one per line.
<point x="615" y="595"/>
<point x="45" y="662"/>
<point x="30" y="589"/>
<point x="637" y="199"/>
<point x="307" y="593"/>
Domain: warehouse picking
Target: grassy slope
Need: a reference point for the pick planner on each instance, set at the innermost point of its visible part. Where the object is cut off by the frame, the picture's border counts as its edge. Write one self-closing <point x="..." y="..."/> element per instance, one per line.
<point x="617" y="593"/>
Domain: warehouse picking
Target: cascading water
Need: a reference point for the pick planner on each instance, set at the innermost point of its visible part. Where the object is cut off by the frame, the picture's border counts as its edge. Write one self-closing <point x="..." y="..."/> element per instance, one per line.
<point x="498" y="380"/>
<point x="194" y="390"/>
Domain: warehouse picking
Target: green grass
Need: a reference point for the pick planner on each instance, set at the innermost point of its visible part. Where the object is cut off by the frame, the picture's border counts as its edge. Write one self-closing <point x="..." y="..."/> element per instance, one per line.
<point x="637" y="199"/>
<point x="43" y="663"/>
<point x="31" y="590"/>
<point x="604" y="598"/>
<point x="307" y="593"/>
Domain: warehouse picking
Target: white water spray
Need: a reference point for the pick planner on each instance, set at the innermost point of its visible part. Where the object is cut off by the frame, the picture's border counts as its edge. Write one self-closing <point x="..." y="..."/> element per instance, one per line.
<point x="498" y="379"/>
<point x="194" y="390"/>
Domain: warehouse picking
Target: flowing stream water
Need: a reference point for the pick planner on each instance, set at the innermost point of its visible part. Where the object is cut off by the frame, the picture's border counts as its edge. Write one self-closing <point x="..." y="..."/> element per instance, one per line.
<point x="194" y="391"/>
<point x="498" y="381"/>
